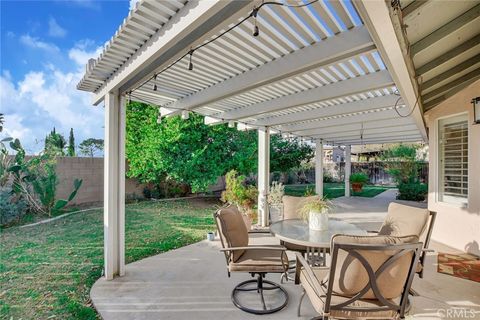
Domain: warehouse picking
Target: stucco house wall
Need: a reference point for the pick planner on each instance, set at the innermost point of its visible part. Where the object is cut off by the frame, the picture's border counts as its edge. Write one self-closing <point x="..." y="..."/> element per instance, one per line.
<point x="456" y="226"/>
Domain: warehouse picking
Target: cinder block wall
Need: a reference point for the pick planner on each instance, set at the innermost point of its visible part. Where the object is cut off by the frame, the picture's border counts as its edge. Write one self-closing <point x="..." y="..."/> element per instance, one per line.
<point x="90" y="170"/>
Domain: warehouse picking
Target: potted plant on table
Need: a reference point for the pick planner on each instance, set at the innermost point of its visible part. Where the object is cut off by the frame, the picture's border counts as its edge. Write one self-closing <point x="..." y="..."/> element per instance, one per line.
<point x="244" y="196"/>
<point x="315" y="210"/>
<point x="274" y="199"/>
<point x="357" y="180"/>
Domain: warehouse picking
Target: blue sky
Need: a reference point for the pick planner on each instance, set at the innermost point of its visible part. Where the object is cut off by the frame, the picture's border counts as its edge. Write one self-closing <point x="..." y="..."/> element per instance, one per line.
<point x="44" y="48"/>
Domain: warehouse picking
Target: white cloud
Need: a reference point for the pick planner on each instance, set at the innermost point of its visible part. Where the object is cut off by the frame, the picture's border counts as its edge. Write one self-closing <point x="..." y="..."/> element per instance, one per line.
<point x="80" y="53"/>
<point x="132" y="3"/>
<point x="55" y="30"/>
<point x="45" y="99"/>
<point x="36" y="43"/>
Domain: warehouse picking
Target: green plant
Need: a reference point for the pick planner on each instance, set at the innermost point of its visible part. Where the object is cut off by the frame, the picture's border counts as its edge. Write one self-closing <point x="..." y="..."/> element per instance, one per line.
<point x="11" y="207"/>
<point x="35" y="180"/>
<point x="359" y="177"/>
<point x="239" y="193"/>
<point x="315" y="204"/>
<point x="309" y="191"/>
<point x="55" y="143"/>
<point x="275" y="195"/>
<point x="403" y="164"/>
<point x="412" y="191"/>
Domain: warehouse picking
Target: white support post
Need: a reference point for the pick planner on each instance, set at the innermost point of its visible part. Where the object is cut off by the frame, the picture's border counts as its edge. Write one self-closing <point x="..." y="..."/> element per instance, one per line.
<point x="114" y="186"/>
<point x="319" y="167"/>
<point x="348" y="169"/>
<point x="263" y="174"/>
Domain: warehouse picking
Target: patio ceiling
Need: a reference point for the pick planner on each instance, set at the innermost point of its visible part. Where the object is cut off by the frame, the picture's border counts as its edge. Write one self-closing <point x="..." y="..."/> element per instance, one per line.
<point x="444" y="45"/>
<point x="312" y="72"/>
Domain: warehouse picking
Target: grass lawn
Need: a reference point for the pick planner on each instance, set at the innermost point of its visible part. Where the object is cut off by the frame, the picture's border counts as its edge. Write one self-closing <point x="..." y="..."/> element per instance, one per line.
<point x="334" y="190"/>
<point x="46" y="271"/>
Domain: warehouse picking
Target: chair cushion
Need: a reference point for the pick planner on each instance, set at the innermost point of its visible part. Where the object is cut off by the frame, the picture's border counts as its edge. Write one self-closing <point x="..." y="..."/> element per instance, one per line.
<point x="260" y="260"/>
<point x="351" y="276"/>
<point x="402" y="220"/>
<point x="318" y="301"/>
<point x="292" y="206"/>
<point x="232" y="229"/>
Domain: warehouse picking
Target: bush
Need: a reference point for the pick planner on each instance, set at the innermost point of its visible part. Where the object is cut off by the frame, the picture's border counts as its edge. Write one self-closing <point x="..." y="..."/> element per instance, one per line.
<point x="358" y="177"/>
<point x="11" y="208"/>
<point x="239" y="193"/>
<point x="327" y="178"/>
<point x="412" y="191"/>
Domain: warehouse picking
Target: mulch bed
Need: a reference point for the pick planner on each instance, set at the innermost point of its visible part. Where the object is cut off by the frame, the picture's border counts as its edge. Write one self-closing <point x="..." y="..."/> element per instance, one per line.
<point x="465" y="266"/>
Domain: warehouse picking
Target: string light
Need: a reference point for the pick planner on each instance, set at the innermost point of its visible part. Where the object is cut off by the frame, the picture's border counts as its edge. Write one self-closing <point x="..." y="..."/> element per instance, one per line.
<point x="190" y="64"/>
<point x="256" y="31"/>
<point x="155" y="85"/>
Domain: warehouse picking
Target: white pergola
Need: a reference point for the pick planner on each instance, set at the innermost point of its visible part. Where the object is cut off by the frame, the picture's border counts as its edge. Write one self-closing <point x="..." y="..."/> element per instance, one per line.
<point x="332" y="73"/>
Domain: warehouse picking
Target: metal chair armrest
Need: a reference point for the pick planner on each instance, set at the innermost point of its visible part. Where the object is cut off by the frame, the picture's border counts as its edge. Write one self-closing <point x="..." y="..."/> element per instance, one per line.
<point x="316" y="284"/>
<point x="272" y="248"/>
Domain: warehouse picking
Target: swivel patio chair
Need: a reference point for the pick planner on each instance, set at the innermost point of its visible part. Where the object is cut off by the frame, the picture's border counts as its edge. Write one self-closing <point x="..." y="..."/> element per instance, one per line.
<point x="256" y="260"/>
<point x="369" y="277"/>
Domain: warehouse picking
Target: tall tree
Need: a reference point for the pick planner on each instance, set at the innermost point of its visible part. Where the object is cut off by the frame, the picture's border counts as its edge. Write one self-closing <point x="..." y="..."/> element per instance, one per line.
<point x="194" y="153"/>
<point x="71" y="144"/>
<point x="288" y="154"/>
<point x="90" y="147"/>
<point x="2" y="121"/>
<point x="55" y="143"/>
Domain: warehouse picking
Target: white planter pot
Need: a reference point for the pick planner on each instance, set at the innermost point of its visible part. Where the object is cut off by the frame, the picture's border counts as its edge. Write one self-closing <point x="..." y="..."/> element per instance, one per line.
<point x="276" y="213"/>
<point x="318" y="220"/>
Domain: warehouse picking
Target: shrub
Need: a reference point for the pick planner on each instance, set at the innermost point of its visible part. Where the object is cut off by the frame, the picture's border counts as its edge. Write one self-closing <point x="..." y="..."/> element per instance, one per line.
<point x="239" y="193"/>
<point x="359" y="177"/>
<point x="11" y="207"/>
<point x="412" y="191"/>
<point x="327" y="177"/>
<point x="277" y="190"/>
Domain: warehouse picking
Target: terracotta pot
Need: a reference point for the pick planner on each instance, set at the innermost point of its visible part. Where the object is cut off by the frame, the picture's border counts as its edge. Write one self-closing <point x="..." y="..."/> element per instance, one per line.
<point x="357" y="186"/>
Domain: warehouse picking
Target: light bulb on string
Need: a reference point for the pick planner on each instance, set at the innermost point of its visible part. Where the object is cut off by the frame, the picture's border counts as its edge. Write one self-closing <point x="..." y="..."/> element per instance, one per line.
<point x="256" y="31"/>
<point x="190" y="64"/>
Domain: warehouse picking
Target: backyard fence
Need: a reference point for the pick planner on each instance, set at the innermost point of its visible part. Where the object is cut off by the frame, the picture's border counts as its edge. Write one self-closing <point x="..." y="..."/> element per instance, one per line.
<point x="335" y="171"/>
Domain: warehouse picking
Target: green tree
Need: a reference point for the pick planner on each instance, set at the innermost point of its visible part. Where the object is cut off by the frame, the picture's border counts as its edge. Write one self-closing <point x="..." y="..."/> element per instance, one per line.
<point x="71" y="144"/>
<point x="55" y="143"/>
<point x="89" y="147"/>
<point x="288" y="154"/>
<point x="186" y="150"/>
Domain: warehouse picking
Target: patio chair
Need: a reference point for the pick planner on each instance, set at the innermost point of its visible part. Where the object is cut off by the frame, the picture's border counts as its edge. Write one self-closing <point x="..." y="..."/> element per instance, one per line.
<point x="256" y="260"/>
<point x="369" y="277"/>
<point x="403" y="220"/>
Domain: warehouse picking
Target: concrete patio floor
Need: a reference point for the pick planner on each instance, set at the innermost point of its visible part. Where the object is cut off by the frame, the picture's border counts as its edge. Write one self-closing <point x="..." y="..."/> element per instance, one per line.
<point x="192" y="283"/>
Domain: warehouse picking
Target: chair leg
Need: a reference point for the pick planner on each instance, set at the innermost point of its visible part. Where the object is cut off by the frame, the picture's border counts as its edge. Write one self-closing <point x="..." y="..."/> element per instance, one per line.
<point x="301" y="300"/>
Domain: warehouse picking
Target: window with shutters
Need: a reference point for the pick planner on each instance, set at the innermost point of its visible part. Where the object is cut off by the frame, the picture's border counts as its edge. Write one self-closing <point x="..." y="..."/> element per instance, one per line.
<point x="453" y="160"/>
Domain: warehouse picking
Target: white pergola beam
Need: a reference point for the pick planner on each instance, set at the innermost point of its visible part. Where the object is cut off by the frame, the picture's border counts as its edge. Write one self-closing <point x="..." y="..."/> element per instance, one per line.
<point x="320" y="112"/>
<point x="413" y="138"/>
<point x="376" y="17"/>
<point x="114" y="186"/>
<point x="196" y="21"/>
<point x="357" y="126"/>
<point x="396" y="131"/>
<point x="348" y="169"/>
<point x="388" y="114"/>
<point x="342" y="46"/>
<point x="263" y="174"/>
<point x="347" y="87"/>
<point x="319" y="167"/>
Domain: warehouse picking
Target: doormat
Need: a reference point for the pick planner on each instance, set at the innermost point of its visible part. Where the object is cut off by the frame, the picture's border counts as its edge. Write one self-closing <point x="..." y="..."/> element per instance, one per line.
<point x="465" y="266"/>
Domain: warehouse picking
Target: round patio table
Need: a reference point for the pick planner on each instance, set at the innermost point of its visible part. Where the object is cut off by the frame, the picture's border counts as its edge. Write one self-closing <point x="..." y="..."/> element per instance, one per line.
<point x="296" y="231"/>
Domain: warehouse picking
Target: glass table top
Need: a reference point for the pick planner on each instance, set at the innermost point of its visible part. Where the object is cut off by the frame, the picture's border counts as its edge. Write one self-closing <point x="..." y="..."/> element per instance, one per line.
<point x="297" y="231"/>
